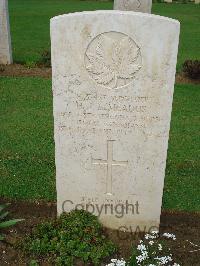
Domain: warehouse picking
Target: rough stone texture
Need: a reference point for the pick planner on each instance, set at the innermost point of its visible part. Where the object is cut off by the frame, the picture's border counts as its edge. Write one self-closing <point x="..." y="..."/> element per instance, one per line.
<point x="133" y="5"/>
<point x="5" y="42"/>
<point x="113" y="82"/>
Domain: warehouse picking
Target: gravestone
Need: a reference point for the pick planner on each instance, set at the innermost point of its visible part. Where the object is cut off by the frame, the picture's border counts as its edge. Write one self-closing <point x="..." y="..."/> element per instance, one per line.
<point x="197" y="1"/>
<point x="113" y="82"/>
<point x="5" y="42"/>
<point x="168" y="1"/>
<point x="133" y="5"/>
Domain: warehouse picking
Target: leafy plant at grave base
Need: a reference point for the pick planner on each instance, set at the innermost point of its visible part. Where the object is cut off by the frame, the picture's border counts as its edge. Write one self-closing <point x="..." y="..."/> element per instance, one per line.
<point x="154" y="250"/>
<point x="192" y="68"/>
<point x="45" y="59"/>
<point x="6" y="223"/>
<point x="33" y="263"/>
<point x="30" y="64"/>
<point x="74" y="235"/>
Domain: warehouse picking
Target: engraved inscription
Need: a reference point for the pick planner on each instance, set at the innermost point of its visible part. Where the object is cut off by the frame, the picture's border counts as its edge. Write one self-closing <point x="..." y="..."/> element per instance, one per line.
<point x="132" y="4"/>
<point x="109" y="163"/>
<point x="112" y="59"/>
<point x="98" y="113"/>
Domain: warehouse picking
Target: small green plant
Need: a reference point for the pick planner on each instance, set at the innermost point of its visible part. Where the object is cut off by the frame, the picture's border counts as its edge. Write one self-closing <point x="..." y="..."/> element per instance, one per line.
<point x="33" y="263"/>
<point x="30" y="64"/>
<point x="45" y="59"/>
<point x="76" y="235"/>
<point x="192" y="68"/>
<point x="6" y="223"/>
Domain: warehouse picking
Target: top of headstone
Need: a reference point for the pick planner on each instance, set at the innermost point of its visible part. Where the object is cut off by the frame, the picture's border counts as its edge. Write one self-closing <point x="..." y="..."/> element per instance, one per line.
<point x="113" y="12"/>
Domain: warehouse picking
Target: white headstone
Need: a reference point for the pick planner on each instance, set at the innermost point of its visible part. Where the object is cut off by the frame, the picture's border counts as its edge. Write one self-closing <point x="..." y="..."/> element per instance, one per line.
<point x="197" y="1"/>
<point x="133" y="5"/>
<point x="5" y="42"/>
<point x="168" y="1"/>
<point x="113" y="82"/>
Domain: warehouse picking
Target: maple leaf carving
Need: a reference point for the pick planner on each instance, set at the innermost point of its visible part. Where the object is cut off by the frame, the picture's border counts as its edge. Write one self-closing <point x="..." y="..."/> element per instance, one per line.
<point x="98" y="66"/>
<point x="125" y="55"/>
<point x="111" y="61"/>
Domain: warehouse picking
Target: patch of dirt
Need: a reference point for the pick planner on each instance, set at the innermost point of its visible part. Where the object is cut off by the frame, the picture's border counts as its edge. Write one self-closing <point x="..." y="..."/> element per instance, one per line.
<point x="181" y="78"/>
<point x="185" y="225"/>
<point x="32" y="213"/>
<point x="17" y="70"/>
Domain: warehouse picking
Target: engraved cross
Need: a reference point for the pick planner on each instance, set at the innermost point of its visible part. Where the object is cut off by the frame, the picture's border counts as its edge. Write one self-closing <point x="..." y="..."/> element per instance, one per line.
<point x="109" y="163"/>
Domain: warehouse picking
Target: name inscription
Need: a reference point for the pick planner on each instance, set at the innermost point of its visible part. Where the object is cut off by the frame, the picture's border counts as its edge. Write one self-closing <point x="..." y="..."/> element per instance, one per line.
<point x="90" y="110"/>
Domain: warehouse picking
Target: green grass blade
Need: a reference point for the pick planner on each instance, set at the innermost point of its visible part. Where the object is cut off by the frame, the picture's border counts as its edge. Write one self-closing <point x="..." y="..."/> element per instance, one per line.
<point x="10" y="223"/>
<point x="1" y="237"/>
<point x="3" y="206"/>
<point x="3" y="215"/>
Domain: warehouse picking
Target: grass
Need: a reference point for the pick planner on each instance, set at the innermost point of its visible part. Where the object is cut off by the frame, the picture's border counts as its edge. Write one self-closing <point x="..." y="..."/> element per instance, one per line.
<point x="27" y="147"/>
<point x="30" y="25"/>
<point x="182" y="186"/>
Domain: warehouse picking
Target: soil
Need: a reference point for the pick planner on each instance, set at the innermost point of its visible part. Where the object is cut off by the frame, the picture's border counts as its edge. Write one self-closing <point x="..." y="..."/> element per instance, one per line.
<point x="185" y="225"/>
<point x="17" y="70"/>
